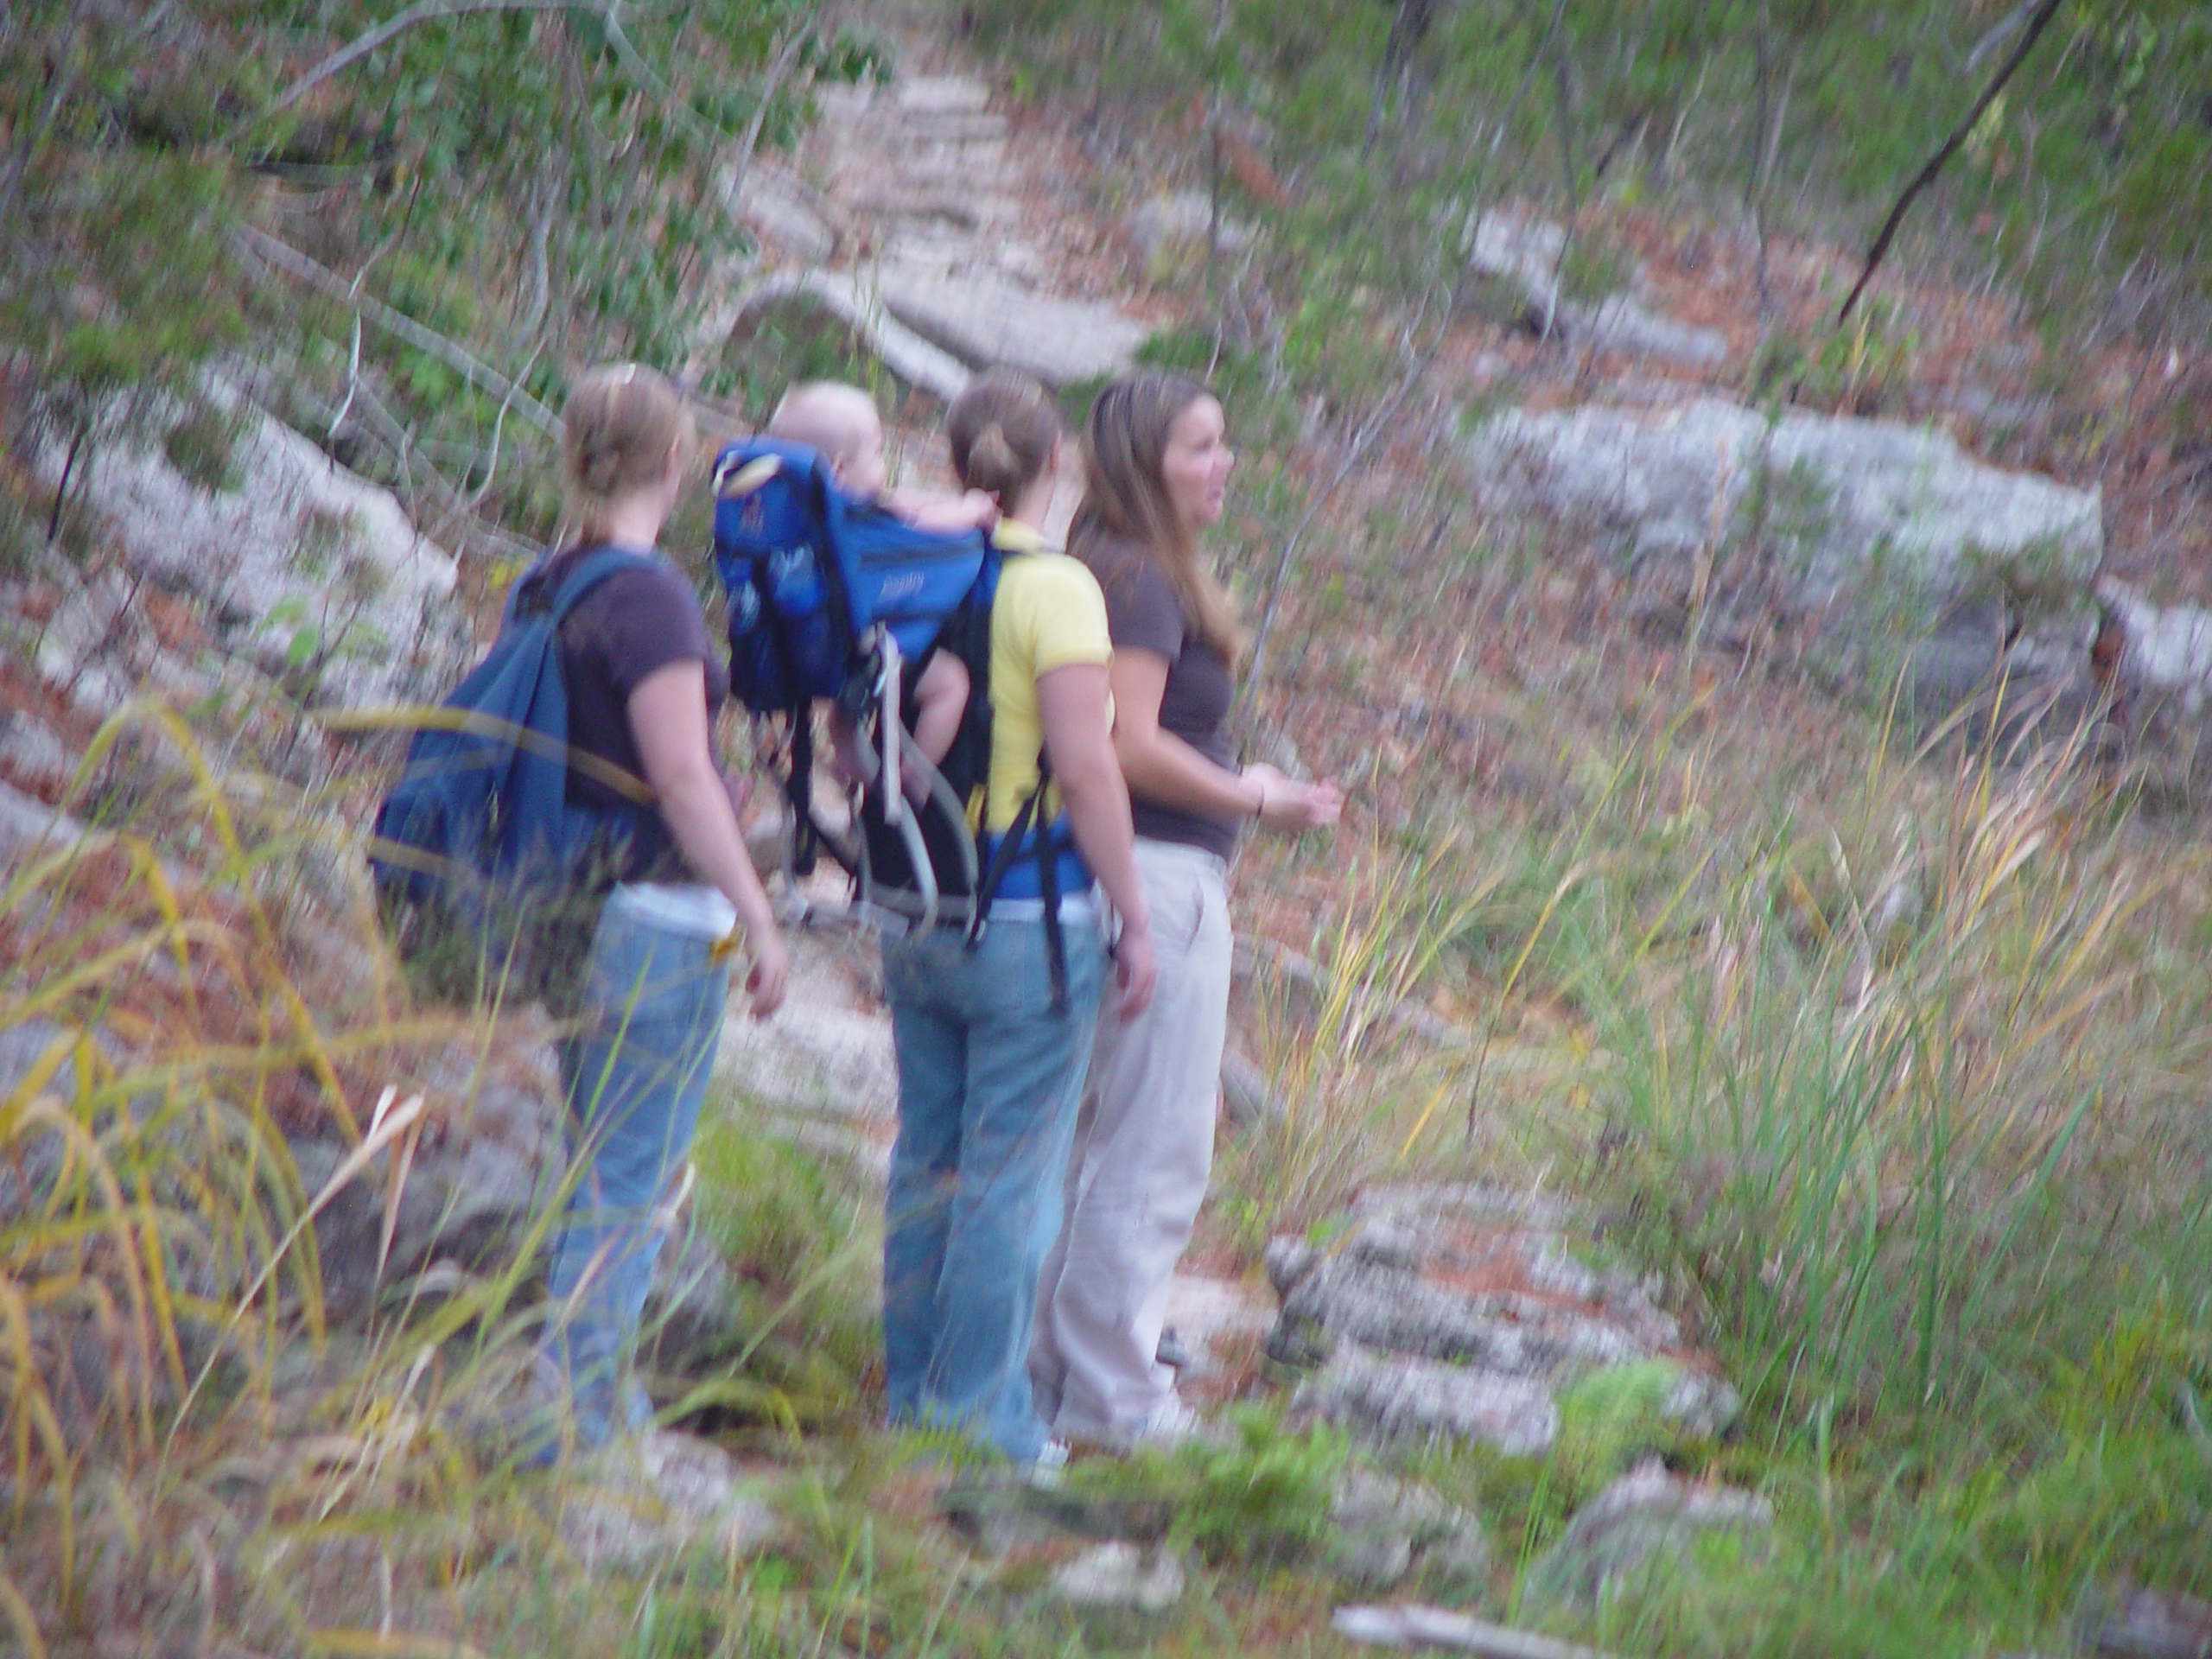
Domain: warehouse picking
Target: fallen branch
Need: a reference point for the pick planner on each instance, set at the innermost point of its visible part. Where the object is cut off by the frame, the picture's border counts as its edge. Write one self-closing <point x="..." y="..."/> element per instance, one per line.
<point x="904" y="352"/>
<point x="777" y="67"/>
<point x="259" y="245"/>
<point x="1413" y="1626"/>
<point x="2044" y="12"/>
<point x="423" y="11"/>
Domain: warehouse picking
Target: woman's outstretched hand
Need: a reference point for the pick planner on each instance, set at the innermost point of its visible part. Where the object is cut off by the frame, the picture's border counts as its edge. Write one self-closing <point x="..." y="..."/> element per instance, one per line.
<point x="1288" y="805"/>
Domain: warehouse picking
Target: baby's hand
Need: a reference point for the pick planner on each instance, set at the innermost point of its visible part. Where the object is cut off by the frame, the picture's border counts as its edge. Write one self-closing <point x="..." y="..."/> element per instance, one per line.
<point x="948" y="515"/>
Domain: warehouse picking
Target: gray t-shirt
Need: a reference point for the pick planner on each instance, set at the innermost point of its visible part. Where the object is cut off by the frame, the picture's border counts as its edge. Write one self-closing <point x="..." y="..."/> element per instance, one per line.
<point x="1144" y="613"/>
<point x="622" y="631"/>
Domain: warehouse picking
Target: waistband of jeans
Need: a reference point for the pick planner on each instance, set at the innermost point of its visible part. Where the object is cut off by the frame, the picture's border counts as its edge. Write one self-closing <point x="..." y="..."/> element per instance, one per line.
<point x="690" y="910"/>
<point x="1076" y="909"/>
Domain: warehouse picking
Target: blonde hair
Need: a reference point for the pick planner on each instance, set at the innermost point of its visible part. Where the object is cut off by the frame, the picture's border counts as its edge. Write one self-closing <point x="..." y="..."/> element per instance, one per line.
<point x="1127" y="517"/>
<point x="824" y="414"/>
<point x="1002" y="430"/>
<point x="621" y="423"/>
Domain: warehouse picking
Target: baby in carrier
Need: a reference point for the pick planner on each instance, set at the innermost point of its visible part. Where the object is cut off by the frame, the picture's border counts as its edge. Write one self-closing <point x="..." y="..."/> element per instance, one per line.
<point x="840" y="423"/>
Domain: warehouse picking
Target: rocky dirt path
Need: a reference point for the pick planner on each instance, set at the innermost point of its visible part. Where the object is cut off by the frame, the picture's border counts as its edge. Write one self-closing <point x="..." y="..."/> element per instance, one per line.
<point x="951" y="238"/>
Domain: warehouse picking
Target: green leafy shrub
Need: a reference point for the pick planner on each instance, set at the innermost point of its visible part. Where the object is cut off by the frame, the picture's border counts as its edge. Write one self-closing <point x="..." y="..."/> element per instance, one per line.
<point x="797" y="1235"/>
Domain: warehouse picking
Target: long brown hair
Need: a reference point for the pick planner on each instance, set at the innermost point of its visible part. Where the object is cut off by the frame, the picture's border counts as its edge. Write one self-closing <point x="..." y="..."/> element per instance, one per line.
<point x="1127" y="517"/>
<point x="1002" y="430"/>
<point x="620" y="426"/>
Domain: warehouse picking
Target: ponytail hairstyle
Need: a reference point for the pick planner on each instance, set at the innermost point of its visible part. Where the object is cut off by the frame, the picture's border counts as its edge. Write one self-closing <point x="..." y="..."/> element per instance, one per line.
<point x="1127" y="518"/>
<point x="621" y="423"/>
<point x="1003" y="430"/>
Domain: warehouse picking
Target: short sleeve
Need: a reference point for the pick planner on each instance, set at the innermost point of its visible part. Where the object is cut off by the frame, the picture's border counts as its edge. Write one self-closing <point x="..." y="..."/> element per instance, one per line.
<point x="1143" y="613"/>
<point x="651" y="619"/>
<point x="1060" y="615"/>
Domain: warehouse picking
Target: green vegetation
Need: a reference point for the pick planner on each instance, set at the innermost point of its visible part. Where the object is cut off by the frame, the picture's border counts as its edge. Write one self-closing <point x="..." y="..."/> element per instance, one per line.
<point x="429" y="216"/>
<point x="1375" y="128"/>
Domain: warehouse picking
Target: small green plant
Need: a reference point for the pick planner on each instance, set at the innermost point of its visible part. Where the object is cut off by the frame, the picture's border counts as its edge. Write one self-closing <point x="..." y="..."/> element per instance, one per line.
<point x="1261" y="1496"/>
<point x="1857" y="368"/>
<point x="797" y="1236"/>
<point x="1609" y="1417"/>
<point x="202" y="445"/>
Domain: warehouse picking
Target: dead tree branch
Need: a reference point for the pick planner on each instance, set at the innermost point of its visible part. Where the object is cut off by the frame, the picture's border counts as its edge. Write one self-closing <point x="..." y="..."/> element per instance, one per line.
<point x="260" y="247"/>
<point x="2044" y="12"/>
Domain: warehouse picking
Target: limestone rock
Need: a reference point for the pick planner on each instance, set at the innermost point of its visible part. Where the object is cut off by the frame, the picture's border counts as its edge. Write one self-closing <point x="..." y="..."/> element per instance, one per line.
<point x="1179" y="221"/>
<point x="1250" y="1096"/>
<point x="2124" y="1622"/>
<point x="1630" y="1523"/>
<point x="784" y="217"/>
<point x="1876" y="512"/>
<point x="942" y="95"/>
<point x="1410" y="1625"/>
<point x="1382" y="1530"/>
<point x="303" y="560"/>
<point x="984" y="319"/>
<point x="1441" y="1315"/>
<point x="681" y="1491"/>
<point x="1392" y="1399"/>
<point x="1122" y="1576"/>
<point x="1525" y="254"/>
<point x="859" y="304"/>
<point x="2162" y="681"/>
<point x="27" y="824"/>
<point x="476" y="1183"/>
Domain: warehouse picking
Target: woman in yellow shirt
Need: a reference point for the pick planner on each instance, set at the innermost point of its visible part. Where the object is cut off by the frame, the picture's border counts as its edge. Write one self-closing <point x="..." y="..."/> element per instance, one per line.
<point x="991" y="1061"/>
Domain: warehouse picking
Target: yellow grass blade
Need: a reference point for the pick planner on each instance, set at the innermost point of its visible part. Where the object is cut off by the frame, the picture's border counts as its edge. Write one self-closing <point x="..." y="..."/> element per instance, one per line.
<point x="19" y="1614"/>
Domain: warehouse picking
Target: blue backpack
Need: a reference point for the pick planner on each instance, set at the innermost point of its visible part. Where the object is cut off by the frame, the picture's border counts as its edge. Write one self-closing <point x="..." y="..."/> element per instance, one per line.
<point x="832" y="598"/>
<point x="483" y="867"/>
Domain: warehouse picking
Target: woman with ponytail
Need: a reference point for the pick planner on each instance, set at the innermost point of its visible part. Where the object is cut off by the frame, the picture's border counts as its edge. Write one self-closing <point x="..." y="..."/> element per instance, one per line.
<point x="990" y="1057"/>
<point x="643" y="685"/>
<point x="1155" y="470"/>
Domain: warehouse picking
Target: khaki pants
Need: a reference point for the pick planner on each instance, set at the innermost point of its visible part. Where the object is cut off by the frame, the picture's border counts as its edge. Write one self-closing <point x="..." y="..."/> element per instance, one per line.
<point x="1143" y="1152"/>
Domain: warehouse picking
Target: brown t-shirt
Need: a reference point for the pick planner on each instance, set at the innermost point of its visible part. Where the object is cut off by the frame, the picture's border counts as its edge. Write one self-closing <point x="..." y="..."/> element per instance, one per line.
<point x="630" y="626"/>
<point x="1143" y="613"/>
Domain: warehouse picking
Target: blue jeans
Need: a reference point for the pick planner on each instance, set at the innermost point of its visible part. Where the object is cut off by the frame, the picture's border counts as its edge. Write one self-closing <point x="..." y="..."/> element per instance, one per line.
<point x="635" y="1073"/>
<point x="988" y="1081"/>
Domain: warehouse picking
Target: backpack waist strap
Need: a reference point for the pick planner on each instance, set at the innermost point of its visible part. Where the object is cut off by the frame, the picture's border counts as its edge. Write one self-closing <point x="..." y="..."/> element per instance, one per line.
<point x="1025" y="874"/>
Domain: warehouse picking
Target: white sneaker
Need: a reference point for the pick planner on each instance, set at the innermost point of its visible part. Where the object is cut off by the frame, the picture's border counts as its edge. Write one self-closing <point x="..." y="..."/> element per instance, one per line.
<point x="1050" y="1465"/>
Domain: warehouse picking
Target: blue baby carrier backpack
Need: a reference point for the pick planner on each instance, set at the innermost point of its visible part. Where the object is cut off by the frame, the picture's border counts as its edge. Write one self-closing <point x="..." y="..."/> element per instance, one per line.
<point x="837" y="599"/>
<point x="484" y="868"/>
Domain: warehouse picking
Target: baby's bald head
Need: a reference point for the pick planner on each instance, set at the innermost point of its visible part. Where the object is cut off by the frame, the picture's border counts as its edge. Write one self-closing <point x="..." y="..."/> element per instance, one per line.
<point x="841" y="422"/>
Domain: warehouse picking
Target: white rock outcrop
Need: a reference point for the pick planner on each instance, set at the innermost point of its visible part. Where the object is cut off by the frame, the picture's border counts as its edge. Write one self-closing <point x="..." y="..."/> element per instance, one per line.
<point x="1875" y="508"/>
<point x="302" y="564"/>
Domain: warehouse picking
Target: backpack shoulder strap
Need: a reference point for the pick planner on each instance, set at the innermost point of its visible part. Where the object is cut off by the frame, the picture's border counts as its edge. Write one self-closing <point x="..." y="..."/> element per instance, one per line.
<point x="585" y="574"/>
<point x="592" y="569"/>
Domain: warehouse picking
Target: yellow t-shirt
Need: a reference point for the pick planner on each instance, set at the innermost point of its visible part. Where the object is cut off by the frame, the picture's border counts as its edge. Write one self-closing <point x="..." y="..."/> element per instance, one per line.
<point x="1048" y="614"/>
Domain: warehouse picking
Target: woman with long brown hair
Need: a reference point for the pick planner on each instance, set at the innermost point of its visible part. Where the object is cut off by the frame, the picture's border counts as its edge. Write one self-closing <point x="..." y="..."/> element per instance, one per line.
<point x="1156" y="463"/>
